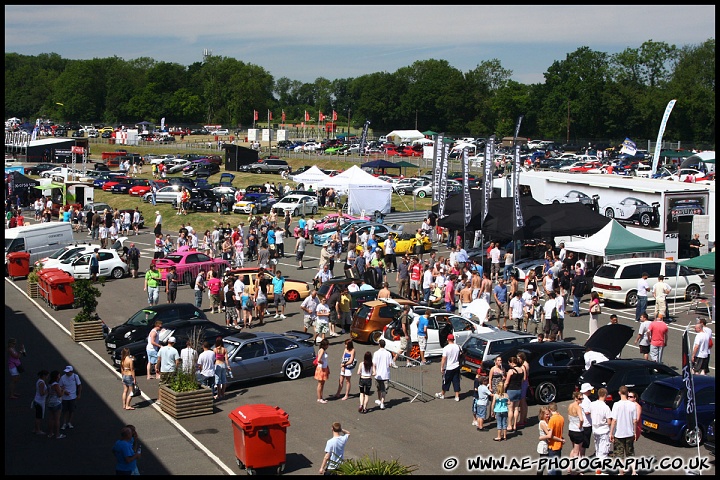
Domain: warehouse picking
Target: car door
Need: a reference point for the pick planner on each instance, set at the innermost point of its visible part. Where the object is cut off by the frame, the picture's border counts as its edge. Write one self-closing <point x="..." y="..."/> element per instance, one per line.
<point x="279" y="350"/>
<point x="678" y="283"/>
<point x="81" y="266"/>
<point x="250" y="360"/>
<point x="433" y="337"/>
<point x="462" y="329"/>
<point x="106" y="264"/>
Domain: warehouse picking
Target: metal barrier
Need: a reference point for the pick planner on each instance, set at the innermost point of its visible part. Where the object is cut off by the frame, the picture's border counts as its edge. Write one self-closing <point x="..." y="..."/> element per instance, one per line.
<point x="188" y="275"/>
<point x="410" y="380"/>
<point x="414" y="216"/>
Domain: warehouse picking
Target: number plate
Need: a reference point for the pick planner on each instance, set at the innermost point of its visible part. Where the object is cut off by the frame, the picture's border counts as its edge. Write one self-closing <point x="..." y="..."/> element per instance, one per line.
<point x="650" y="424"/>
<point x="353" y="334"/>
<point x="117" y="361"/>
<point x="600" y="294"/>
<point x="465" y="369"/>
<point x="111" y="345"/>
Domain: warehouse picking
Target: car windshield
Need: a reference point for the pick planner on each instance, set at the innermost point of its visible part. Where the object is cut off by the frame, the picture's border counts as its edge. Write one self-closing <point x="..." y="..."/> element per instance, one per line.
<point x="142" y="318"/>
<point x="58" y="253"/>
<point x="662" y="396"/>
<point x="607" y="271"/>
<point x="476" y="343"/>
<point x="174" y="258"/>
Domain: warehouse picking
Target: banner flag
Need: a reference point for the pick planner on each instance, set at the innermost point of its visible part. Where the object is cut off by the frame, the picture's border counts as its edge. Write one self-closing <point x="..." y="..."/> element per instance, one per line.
<point x="437" y="163"/>
<point x="33" y="137"/>
<point x="629" y="147"/>
<point x="487" y="175"/>
<point x="658" y="144"/>
<point x="283" y="116"/>
<point x="334" y="116"/>
<point x="519" y="221"/>
<point x="321" y="117"/>
<point x="442" y="187"/>
<point x="517" y="128"/>
<point x="363" y="138"/>
<point x="162" y="124"/>
<point x="467" y="203"/>
<point x="255" y="115"/>
<point x="307" y="116"/>
<point x="269" y="116"/>
<point x="687" y="375"/>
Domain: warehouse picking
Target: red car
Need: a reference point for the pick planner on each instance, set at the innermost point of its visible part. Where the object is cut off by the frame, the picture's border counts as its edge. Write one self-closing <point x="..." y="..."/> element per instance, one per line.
<point x="106" y="186"/>
<point x="414" y="151"/>
<point x="395" y="152"/>
<point x="188" y="263"/>
<point x="140" y="190"/>
<point x="587" y="167"/>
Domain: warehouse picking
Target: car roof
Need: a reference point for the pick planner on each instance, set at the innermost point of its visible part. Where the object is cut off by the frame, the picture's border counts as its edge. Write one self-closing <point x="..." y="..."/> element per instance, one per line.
<point x="162" y="308"/>
<point x="632" y="261"/>
<point x="501" y="335"/>
<point x="678" y="381"/>
<point x="621" y="363"/>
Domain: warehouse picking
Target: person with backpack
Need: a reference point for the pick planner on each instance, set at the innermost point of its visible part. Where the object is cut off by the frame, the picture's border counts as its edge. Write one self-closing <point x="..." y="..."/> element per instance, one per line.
<point x="133" y="260"/>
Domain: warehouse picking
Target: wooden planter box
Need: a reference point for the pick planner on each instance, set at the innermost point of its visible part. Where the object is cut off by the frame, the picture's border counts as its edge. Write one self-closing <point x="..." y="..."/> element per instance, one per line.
<point x="86" y="331"/>
<point x="185" y="404"/>
<point x="33" y="290"/>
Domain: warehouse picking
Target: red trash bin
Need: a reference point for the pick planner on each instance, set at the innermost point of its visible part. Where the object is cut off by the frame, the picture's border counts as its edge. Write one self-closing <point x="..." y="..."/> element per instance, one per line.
<point x="60" y="290"/>
<point x="259" y="432"/>
<point x="18" y="264"/>
<point x="43" y="285"/>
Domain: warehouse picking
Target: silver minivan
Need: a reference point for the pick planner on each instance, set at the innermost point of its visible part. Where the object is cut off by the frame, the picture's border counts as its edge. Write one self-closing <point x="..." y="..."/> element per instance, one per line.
<point x="617" y="280"/>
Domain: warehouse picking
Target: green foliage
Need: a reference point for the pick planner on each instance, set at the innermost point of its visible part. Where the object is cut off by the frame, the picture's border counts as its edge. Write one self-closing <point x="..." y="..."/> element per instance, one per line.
<point x="373" y="466"/>
<point x="182" y="381"/>
<point x="86" y="295"/>
<point x="34" y="275"/>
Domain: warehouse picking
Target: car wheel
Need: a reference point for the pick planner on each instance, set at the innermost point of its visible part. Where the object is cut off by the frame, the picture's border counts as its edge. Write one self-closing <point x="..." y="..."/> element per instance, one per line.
<point x="292" y="296"/>
<point x="214" y="209"/>
<point x="631" y="299"/>
<point x="292" y="370"/>
<point x="258" y="170"/>
<point x="254" y="211"/>
<point x="692" y="292"/>
<point x="691" y="438"/>
<point x="555" y="202"/>
<point x="375" y="337"/>
<point x="118" y="273"/>
<point x="545" y="393"/>
<point x="610" y="213"/>
<point x="187" y="278"/>
<point x="296" y="213"/>
<point x="401" y="192"/>
<point x="421" y="194"/>
<point x="645" y="219"/>
<point x="314" y="210"/>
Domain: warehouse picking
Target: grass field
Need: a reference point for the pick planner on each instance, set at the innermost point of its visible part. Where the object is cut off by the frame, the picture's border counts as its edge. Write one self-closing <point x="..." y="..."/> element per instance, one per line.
<point x="202" y="221"/>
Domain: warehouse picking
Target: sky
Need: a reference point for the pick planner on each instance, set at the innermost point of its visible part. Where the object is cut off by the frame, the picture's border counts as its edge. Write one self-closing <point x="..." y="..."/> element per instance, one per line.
<point x="311" y="41"/>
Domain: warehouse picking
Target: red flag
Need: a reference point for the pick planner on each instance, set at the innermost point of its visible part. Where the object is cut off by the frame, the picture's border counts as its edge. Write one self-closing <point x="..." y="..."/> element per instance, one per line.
<point x="321" y="117"/>
<point x="255" y="114"/>
<point x="269" y="114"/>
<point x="283" y="116"/>
<point x="307" y="116"/>
<point x="334" y="116"/>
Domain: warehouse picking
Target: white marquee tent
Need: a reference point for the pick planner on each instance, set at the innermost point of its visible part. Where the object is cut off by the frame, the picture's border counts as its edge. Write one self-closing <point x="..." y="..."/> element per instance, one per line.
<point x="404" y="136"/>
<point x="312" y="176"/>
<point x="364" y="191"/>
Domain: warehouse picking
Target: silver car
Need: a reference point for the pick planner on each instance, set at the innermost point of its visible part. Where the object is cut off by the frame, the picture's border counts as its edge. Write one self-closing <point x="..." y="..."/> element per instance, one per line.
<point x="264" y="354"/>
<point x="167" y="194"/>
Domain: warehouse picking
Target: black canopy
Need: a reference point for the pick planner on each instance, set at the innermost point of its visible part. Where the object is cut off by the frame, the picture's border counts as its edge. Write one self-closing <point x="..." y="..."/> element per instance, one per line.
<point x="21" y="181"/>
<point x="541" y="221"/>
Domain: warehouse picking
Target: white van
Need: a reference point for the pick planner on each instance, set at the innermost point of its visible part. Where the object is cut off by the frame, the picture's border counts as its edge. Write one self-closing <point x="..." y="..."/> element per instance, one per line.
<point x="39" y="240"/>
<point x="616" y="280"/>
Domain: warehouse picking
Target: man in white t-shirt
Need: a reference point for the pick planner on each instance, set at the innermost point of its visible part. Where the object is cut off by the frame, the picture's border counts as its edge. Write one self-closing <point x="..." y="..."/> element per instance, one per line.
<point x="642" y="339"/>
<point x="622" y="426"/>
<point x="494" y="263"/>
<point x="206" y="365"/>
<point x="701" y="351"/>
<point x="450" y="368"/>
<point x="382" y="360"/>
<point x="600" y="417"/>
<point x="322" y="323"/>
<point x="517" y="310"/>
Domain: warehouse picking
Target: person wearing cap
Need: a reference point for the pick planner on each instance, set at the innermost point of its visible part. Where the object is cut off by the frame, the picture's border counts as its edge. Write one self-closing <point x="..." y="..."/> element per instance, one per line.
<point x="450" y="368"/>
<point x="585" y="390"/>
<point x="72" y="389"/>
<point x="169" y="361"/>
<point x="152" y="282"/>
<point x="133" y="258"/>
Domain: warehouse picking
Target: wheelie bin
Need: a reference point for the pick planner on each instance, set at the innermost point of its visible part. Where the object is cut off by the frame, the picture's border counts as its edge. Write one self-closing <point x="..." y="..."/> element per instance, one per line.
<point x="43" y="285"/>
<point x="259" y="433"/>
<point x="18" y="264"/>
<point x="61" y="290"/>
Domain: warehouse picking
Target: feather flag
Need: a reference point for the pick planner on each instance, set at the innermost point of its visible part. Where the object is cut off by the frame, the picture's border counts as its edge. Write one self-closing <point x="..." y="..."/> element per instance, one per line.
<point x="321" y="117"/>
<point x="283" y="116"/>
<point x="269" y="115"/>
<point x="334" y="116"/>
<point x="255" y="115"/>
<point x="687" y="375"/>
<point x="629" y="147"/>
<point x="307" y="116"/>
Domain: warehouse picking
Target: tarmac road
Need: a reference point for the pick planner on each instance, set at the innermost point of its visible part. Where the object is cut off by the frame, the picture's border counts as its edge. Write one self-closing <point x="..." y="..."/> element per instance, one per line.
<point x="425" y="434"/>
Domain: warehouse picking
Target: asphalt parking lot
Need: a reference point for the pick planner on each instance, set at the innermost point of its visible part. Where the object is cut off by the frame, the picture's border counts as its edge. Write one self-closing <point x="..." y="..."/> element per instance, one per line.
<point x="427" y="434"/>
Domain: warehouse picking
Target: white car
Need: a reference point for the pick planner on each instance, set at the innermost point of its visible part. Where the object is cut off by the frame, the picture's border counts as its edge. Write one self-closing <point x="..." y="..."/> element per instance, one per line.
<point x="643" y="170"/>
<point x="573" y="196"/>
<point x="110" y="265"/>
<point x="178" y="165"/>
<point x="57" y="173"/>
<point x="310" y="147"/>
<point x="221" y="131"/>
<point x="72" y="251"/>
<point x="167" y="158"/>
<point x="166" y="194"/>
<point x="566" y="168"/>
<point x="633" y="210"/>
<point x="297" y="205"/>
<point x="424" y="191"/>
<point x="687" y="175"/>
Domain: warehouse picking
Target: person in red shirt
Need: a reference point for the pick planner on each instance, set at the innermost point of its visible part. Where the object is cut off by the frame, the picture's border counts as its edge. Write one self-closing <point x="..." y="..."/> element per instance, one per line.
<point x="20" y="218"/>
<point x="658" y="335"/>
<point x="416" y="271"/>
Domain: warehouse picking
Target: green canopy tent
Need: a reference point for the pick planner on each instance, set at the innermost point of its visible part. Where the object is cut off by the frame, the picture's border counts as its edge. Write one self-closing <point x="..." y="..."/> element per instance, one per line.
<point x="405" y="165"/>
<point x="429" y="133"/>
<point x="52" y="185"/>
<point x="615" y="241"/>
<point x="704" y="262"/>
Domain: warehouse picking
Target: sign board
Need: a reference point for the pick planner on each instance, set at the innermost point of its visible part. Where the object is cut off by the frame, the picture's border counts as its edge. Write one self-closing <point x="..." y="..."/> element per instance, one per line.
<point x="281" y="135"/>
<point x="252" y="135"/>
<point x="78" y="150"/>
<point x="266" y="134"/>
<point x="671" y="246"/>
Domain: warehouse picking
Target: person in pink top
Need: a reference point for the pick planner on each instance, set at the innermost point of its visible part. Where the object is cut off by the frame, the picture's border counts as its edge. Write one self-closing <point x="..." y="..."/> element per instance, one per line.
<point x="658" y="335"/>
<point x="450" y="293"/>
<point x="214" y="284"/>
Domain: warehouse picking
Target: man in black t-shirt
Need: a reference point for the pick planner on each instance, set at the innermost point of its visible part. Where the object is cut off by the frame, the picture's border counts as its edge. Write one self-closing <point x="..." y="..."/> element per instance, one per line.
<point x="695" y="246"/>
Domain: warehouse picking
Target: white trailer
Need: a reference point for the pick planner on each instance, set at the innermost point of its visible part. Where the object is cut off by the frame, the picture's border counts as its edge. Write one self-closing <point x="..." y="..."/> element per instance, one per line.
<point x="656" y="209"/>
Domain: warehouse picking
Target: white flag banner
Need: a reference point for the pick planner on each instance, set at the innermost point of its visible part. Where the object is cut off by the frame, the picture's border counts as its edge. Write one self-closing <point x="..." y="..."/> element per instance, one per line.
<point x="437" y="164"/>
<point x="661" y="132"/>
<point x="519" y="221"/>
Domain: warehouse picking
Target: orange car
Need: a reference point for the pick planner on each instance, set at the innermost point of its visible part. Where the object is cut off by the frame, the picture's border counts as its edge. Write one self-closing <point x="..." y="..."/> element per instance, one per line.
<point x="370" y="319"/>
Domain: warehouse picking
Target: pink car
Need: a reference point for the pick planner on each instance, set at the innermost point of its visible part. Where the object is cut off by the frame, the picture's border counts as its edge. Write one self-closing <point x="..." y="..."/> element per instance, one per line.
<point x="188" y="263"/>
<point x="330" y="221"/>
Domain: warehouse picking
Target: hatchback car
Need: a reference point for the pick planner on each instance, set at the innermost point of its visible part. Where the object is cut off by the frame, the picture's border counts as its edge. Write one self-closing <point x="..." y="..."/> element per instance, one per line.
<point x="110" y="265"/>
<point x="664" y="409"/>
<point x="198" y="329"/>
<point x="616" y="281"/>
<point x="263" y="354"/>
<point x="372" y="317"/>
<point x="293" y="290"/>
<point x="636" y="374"/>
<point x="138" y="326"/>
<point x="297" y="205"/>
<point x="329" y="222"/>
<point x="254" y="203"/>
<point x="72" y="251"/>
<point x="188" y="264"/>
<point x="126" y="185"/>
<point x="166" y="194"/>
<point x="710" y="438"/>
<point x="39" y="168"/>
<point x="488" y="345"/>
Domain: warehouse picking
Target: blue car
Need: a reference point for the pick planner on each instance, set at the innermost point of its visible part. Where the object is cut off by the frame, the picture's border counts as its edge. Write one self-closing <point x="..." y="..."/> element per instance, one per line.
<point x="322" y="237"/>
<point x="663" y="409"/>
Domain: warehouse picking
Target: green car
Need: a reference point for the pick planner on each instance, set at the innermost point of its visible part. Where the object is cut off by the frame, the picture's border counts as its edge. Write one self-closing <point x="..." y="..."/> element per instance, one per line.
<point x="335" y="150"/>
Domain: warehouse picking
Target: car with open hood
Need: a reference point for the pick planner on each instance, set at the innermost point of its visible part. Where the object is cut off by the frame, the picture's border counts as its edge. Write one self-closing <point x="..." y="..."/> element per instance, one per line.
<point x="556" y="366"/>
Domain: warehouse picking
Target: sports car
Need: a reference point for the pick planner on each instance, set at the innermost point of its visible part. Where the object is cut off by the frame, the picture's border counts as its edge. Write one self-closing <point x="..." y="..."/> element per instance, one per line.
<point x="631" y="209"/>
<point x="114" y="181"/>
<point x="329" y="222"/>
<point x="322" y="237"/>
<point x="126" y="185"/>
<point x="575" y="196"/>
<point x="588" y="167"/>
<point x="140" y="190"/>
<point x="188" y="263"/>
<point x="254" y="203"/>
<point x="405" y="243"/>
<point x="297" y="205"/>
<point x="293" y="290"/>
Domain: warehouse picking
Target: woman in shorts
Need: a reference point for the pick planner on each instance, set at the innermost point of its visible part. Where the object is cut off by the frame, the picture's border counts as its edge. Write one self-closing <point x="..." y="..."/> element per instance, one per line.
<point x="513" y="387"/>
<point x="365" y="372"/>
<point x="346" y="369"/>
<point x="575" y="426"/>
<point x="260" y="296"/>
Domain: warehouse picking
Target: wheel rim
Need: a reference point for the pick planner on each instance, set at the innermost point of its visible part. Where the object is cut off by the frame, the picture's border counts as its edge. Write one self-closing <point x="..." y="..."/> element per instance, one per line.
<point x="293" y="370"/>
<point x="632" y="299"/>
<point x="292" y="296"/>
<point x="401" y="192"/>
<point x="691" y="436"/>
<point x="421" y="194"/>
<point x="645" y="220"/>
<point x="546" y="393"/>
<point x="609" y="213"/>
<point x="258" y="171"/>
<point x="295" y="213"/>
<point x="692" y="292"/>
<point x="375" y="337"/>
<point x="117" y="273"/>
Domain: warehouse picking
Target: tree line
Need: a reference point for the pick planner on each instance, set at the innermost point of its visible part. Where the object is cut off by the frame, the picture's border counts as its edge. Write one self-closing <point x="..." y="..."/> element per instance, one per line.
<point x="588" y="95"/>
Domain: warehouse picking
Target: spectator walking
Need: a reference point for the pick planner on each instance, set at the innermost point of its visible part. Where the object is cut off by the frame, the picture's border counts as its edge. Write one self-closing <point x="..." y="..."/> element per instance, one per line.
<point x="382" y="359"/>
<point x="188" y="357"/>
<point x="600" y="416"/>
<point x="658" y="335"/>
<point x="41" y="393"/>
<point x="701" y="350"/>
<point x="168" y="360"/>
<point x="152" y="349"/>
<point x="206" y="366"/>
<point x="199" y="288"/>
<point x="322" y="371"/>
<point x="622" y="426"/>
<point x="513" y="386"/>
<point x="125" y="455"/>
<point x="222" y="368"/>
<point x="643" y="340"/>
<point x="545" y="434"/>
<point x="54" y="405"/>
<point x="500" y="411"/>
<point x="334" y="449"/>
<point x="347" y="366"/>
<point x="365" y="372"/>
<point x="578" y="290"/>
<point x="72" y="389"/>
<point x="450" y="368"/>
<point x="642" y="295"/>
<point x="15" y="367"/>
<point x="660" y="292"/>
<point x="127" y="370"/>
<point x="322" y="322"/>
<point x="481" y="395"/>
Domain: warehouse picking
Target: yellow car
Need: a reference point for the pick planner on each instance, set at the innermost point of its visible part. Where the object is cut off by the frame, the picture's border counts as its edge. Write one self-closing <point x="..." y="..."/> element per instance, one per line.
<point x="293" y="290"/>
<point x="404" y="244"/>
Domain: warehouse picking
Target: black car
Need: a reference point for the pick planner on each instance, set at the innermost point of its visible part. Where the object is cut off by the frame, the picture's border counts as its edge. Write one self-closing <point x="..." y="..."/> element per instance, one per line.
<point x="78" y="134"/>
<point x="181" y="181"/>
<point x="101" y="167"/>
<point x="106" y="135"/>
<point x="39" y="168"/>
<point x="199" y="329"/>
<point x="207" y="170"/>
<point x="556" y="366"/>
<point x="138" y="327"/>
<point x="200" y="131"/>
<point x="208" y="200"/>
<point x="636" y="374"/>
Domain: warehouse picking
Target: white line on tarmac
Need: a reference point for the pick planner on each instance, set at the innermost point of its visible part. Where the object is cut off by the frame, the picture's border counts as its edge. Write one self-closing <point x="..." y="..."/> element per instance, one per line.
<point x="172" y="421"/>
